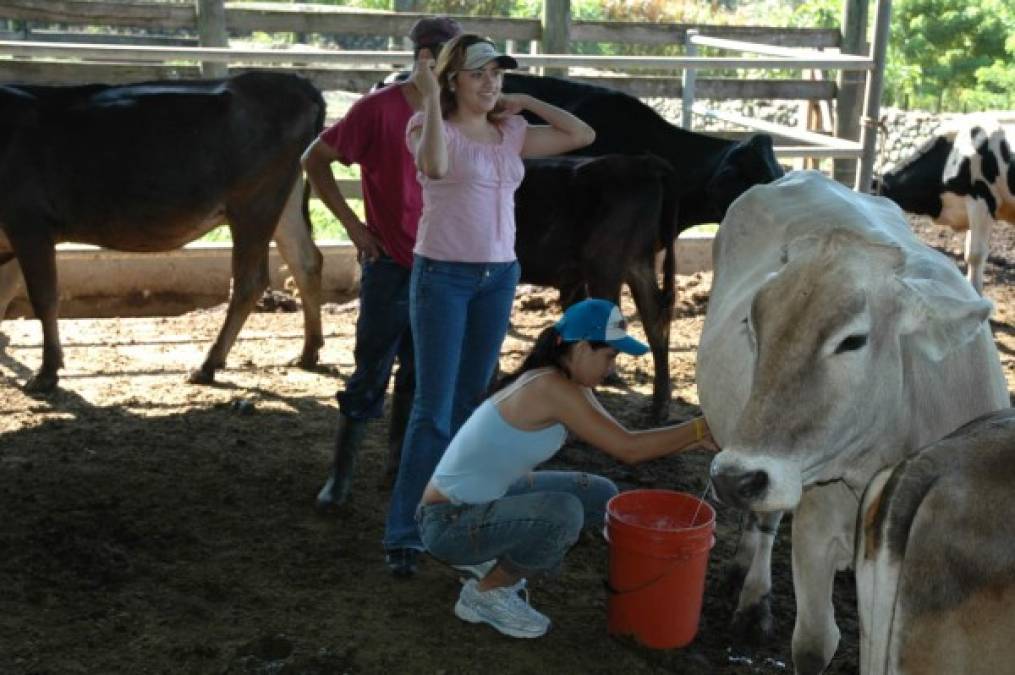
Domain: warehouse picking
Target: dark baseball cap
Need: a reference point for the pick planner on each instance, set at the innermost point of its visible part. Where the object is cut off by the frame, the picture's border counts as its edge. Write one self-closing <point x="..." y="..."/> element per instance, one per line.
<point x="433" y="30"/>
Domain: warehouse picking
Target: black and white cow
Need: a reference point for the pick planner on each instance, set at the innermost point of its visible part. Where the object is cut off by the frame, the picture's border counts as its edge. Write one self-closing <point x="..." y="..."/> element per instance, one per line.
<point x="150" y="167"/>
<point x="835" y="343"/>
<point x="588" y="225"/>
<point x="935" y="557"/>
<point x="963" y="178"/>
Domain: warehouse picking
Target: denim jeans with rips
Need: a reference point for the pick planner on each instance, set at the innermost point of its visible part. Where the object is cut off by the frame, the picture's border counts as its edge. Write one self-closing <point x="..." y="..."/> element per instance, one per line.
<point x="459" y="314"/>
<point x="382" y="333"/>
<point x="529" y="529"/>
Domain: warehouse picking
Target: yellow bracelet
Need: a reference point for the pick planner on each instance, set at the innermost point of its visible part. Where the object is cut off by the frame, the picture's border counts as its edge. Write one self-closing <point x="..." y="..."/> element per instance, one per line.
<point x="698" y="431"/>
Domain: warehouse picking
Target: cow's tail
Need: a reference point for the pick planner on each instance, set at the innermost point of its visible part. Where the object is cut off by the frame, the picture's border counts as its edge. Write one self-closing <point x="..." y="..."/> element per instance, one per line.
<point x="318" y="99"/>
<point x="668" y="231"/>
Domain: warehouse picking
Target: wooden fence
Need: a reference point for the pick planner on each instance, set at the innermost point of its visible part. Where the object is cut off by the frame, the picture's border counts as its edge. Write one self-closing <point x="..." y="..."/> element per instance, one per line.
<point x="180" y="23"/>
<point x="209" y="23"/>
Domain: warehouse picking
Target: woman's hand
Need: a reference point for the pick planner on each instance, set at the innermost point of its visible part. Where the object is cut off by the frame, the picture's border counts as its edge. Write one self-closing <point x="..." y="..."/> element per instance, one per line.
<point x="703" y="435"/>
<point x="509" y="104"/>
<point x="709" y="443"/>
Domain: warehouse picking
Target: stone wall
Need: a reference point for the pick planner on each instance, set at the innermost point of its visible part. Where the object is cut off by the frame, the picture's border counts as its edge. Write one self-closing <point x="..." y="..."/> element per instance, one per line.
<point x="906" y="129"/>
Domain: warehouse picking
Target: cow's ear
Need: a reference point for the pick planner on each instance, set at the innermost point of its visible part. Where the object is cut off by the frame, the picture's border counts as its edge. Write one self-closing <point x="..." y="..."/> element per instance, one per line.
<point x="939" y="317"/>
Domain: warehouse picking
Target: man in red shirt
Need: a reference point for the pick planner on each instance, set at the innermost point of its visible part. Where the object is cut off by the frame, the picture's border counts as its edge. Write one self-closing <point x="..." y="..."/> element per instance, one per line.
<point x="372" y="134"/>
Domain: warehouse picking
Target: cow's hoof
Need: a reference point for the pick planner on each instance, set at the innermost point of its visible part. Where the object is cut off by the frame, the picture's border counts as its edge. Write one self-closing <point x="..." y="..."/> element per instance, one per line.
<point x="42" y="383"/>
<point x="754" y="625"/>
<point x="660" y="411"/>
<point x="809" y="664"/>
<point x="306" y="361"/>
<point x="201" y="376"/>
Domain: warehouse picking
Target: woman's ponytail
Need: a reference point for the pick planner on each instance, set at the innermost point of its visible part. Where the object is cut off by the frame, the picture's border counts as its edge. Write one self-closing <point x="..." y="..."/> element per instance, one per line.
<point x="548" y="351"/>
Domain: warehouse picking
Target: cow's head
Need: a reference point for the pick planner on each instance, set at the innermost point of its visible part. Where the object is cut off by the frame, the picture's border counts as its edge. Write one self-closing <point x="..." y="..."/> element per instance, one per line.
<point x="829" y="334"/>
<point x="744" y="165"/>
<point x="916" y="183"/>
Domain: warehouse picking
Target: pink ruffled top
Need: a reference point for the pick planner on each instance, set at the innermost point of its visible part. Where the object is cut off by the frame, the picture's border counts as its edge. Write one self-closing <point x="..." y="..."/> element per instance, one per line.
<point x="469" y="215"/>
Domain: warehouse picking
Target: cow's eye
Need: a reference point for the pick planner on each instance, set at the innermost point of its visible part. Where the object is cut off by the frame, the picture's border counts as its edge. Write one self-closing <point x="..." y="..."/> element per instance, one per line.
<point x="851" y="344"/>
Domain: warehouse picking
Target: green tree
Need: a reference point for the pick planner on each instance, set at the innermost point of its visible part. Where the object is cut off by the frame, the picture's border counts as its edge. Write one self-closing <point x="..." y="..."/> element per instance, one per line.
<point x="942" y="50"/>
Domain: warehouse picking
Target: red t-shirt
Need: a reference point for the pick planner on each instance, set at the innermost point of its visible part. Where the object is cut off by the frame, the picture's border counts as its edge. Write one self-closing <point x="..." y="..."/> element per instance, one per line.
<point x="372" y="134"/>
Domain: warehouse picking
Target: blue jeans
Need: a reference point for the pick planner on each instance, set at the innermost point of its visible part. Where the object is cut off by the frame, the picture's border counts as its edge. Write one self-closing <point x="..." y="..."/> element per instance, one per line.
<point x="529" y="530"/>
<point x="459" y="314"/>
<point x="382" y="333"/>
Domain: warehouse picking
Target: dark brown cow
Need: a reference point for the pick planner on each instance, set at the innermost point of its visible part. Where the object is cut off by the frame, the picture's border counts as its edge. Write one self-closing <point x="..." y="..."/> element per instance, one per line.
<point x="588" y="225"/>
<point x="152" y="166"/>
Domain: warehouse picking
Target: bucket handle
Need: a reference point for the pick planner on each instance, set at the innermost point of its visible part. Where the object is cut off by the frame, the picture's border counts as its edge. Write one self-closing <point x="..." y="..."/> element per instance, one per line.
<point x="676" y="561"/>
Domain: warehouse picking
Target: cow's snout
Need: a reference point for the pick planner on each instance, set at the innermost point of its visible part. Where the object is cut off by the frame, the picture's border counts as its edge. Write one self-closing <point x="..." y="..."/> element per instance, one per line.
<point x="739" y="488"/>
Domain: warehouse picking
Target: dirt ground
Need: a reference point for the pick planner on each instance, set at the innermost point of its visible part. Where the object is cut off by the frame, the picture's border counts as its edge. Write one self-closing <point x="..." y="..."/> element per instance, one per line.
<point x="150" y="526"/>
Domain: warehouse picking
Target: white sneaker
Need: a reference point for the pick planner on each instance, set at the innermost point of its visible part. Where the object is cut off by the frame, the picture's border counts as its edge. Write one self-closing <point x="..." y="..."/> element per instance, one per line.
<point x="502" y="608"/>
<point x="477" y="571"/>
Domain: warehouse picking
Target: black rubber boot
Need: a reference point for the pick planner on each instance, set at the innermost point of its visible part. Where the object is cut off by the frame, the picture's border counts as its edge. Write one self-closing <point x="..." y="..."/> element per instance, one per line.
<point x="347" y="443"/>
<point x="401" y="407"/>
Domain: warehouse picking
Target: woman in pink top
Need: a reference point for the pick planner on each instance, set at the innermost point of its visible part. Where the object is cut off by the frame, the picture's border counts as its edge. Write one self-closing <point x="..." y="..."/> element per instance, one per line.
<point x="468" y="142"/>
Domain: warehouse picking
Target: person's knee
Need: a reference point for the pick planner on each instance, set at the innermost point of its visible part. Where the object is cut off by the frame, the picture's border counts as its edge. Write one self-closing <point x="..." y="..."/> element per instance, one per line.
<point x="601" y="489"/>
<point x="567" y="515"/>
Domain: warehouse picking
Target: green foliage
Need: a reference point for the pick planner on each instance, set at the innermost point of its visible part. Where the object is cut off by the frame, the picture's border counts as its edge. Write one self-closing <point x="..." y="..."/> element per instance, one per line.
<point x="943" y="54"/>
<point x="952" y="54"/>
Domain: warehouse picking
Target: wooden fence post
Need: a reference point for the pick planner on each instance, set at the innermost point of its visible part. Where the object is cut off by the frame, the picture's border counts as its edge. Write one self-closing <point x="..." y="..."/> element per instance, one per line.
<point x="850" y="85"/>
<point x="872" y="95"/>
<point x="687" y="81"/>
<point x="556" y="37"/>
<point x="402" y="41"/>
<point x="211" y="32"/>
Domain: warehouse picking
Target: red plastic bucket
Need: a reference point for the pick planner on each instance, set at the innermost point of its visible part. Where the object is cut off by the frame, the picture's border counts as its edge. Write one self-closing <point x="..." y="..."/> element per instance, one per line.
<point x="659" y="544"/>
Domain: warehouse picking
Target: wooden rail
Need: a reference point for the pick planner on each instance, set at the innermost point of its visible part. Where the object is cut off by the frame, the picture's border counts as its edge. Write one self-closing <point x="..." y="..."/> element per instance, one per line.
<point x="40" y="66"/>
<point x="38" y="62"/>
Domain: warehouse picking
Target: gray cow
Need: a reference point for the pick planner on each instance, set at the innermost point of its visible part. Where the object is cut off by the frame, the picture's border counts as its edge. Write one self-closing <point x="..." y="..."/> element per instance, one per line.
<point x="835" y="342"/>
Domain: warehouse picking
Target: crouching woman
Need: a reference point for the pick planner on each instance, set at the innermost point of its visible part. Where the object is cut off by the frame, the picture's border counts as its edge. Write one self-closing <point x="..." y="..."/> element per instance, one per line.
<point x="485" y="508"/>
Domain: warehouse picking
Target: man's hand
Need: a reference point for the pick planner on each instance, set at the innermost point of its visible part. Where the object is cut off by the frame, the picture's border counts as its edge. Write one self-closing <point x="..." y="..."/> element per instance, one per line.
<point x="424" y="79"/>
<point x="368" y="248"/>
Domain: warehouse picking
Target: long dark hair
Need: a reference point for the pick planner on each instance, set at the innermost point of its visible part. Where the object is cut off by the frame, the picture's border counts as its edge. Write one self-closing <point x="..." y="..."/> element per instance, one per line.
<point x="547" y="352"/>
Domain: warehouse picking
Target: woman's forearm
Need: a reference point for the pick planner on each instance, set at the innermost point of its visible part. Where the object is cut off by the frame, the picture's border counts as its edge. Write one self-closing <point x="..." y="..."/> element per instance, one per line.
<point x="432" y="152"/>
<point x="562" y="121"/>
<point x="655" y="443"/>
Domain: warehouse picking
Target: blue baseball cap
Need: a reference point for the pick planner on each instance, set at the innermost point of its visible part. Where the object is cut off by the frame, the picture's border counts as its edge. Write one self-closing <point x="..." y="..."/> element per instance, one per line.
<point x="598" y="320"/>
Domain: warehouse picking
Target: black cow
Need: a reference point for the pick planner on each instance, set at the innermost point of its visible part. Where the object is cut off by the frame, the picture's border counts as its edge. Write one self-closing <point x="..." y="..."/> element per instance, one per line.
<point x="705" y="175"/>
<point x="588" y="225"/>
<point x="963" y="178"/>
<point x="152" y="166"/>
<point x="710" y="172"/>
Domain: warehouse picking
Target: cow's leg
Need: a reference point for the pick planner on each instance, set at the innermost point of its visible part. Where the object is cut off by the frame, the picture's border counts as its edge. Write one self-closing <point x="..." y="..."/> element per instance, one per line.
<point x="656" y="317"/>
<point x="823" y="529"/>
<point x="37" y="256"/>
<point x="752" y="621"/>
<point x="606" y="286"/>
<point x="304" y="259"/>
<point x="10" y="276"/>
<point x="977" y="241"/>
<point x="250" y="279"/>
<point x="877" y="583"/>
